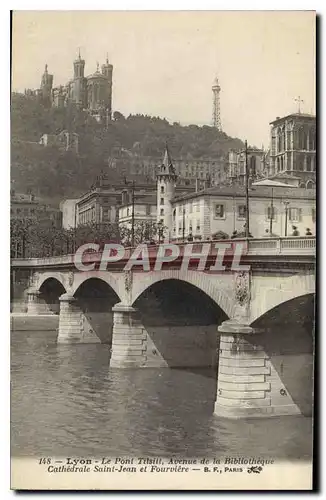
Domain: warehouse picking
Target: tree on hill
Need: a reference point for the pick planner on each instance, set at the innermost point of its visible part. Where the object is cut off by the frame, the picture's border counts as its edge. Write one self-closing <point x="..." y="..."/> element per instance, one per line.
<point x="55" y="173"/>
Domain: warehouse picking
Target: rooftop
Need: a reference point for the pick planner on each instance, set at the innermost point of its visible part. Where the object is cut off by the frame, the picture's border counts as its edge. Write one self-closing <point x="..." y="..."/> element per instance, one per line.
<point x="271" y="183"/>
<point x="284" y="175"/>
<point x="146" y="200"/>
<point x="254" y="192"/>
<point x="293" y="115"/>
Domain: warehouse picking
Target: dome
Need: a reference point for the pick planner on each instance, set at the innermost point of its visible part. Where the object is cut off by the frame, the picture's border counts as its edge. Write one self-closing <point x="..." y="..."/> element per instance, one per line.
<point x="96" y="76"/>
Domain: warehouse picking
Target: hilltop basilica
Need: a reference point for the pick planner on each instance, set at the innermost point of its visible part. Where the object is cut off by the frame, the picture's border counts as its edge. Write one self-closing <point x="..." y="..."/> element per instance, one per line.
<point x="92" y="93"/>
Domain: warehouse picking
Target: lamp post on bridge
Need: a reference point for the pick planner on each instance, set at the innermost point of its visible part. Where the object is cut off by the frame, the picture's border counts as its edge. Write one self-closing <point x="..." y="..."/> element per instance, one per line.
<point x="183" y="223"/>
<point x="286" y="204"/>
<point x="271" y="215"/>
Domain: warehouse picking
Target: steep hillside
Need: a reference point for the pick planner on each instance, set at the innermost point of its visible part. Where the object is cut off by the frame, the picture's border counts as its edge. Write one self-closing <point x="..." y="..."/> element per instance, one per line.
<point x="51" y="172"/>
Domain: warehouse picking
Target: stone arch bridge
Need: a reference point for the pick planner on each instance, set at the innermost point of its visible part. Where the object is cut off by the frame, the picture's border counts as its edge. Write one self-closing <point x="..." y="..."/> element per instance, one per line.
<point x="234" y="320"/>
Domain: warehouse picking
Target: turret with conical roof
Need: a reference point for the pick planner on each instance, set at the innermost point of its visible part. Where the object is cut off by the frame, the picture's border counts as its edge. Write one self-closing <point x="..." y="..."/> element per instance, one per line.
<point x="166" y="181"/>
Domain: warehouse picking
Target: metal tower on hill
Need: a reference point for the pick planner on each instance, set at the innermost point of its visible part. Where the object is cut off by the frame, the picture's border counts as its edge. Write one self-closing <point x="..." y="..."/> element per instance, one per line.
<point x="216" y="105"/>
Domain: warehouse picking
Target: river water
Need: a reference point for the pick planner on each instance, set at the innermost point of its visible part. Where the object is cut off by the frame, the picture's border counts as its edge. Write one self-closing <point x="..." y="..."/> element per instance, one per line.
<point x="66" y="401"/>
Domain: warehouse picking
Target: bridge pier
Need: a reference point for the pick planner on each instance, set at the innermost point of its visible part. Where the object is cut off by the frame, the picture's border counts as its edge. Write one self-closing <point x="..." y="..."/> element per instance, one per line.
<point x="35" y="304"/>
<point x="248" y="384"/>
<point x="242" y="389"/>
<point x="129" y="339"/>
<point x="71" y="323"/>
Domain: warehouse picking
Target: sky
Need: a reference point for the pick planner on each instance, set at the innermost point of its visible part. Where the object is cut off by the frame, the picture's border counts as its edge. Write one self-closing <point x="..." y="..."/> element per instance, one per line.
<point x="164" y="62"/>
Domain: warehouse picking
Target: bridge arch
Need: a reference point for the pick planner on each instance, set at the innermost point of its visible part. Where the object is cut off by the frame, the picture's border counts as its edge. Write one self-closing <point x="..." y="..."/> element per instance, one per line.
<point x="272" y="292"/>
<point x="40" y="280"/>
<point x="94" y="298"/>
<point x="180" y="321"/>
<point x="217" y="292"/>
<point x="104" y="276"/>
<point x="50" y="290"/>
<point x="286" y="334"/>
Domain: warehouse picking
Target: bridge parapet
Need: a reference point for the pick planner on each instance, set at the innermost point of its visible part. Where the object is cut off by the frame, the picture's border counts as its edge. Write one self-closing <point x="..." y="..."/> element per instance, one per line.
<point x="287" y="246"/>
<point x="282" y="246"/>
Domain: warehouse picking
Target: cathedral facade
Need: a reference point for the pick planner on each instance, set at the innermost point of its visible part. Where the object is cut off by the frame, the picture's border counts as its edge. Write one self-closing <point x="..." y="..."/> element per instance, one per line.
<point x="92" y="93"/>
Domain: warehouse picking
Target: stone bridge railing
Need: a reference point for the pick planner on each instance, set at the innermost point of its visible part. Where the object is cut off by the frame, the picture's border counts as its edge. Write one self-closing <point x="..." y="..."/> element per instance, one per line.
<point x="283" y="246"/>
<point x="287" y="246"/>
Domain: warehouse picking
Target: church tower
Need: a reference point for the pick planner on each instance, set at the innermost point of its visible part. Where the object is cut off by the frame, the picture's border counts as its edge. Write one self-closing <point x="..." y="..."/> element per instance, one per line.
<point x="79" y="82"/>
<point x="107" y="70"/>
<point x="166" y="181"/>
<point x="46" y="87"/>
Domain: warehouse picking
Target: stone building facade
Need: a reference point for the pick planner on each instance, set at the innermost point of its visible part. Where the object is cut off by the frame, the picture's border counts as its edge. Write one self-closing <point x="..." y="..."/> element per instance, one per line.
<point x="207" y="212"/>
<point x="187" y="169"/>
<point x="293" y="147"/>
<point x="92" y="93"/>
<point x="258" y="165"/>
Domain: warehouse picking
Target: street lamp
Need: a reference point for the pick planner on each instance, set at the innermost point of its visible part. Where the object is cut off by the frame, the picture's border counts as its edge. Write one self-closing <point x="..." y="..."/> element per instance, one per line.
<point x="132" y="210"/>
<point x="286" y="204"/>
<point x="247" y="190"/>
<point x="160" y="231"/>
<point x="183" y="223"/>
<point x="271" y="216"/>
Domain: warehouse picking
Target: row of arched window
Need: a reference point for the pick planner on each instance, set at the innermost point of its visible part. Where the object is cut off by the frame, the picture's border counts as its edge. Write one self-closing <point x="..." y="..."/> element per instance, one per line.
<point x="303" y="138"/>
<point x="301" y="163"/>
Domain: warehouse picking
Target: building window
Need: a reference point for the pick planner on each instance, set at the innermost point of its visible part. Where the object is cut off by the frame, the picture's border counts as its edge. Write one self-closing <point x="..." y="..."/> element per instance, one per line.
<point x="198" y="208"/>
<point x="162" y="201"/>
<point x="198" y="226"/>
<point x="162" y="211"/>
<point x="308" y="164"/>
<point x="312" y="140"/>
<point x="219" y="211"/>
<point x="190" y="208"/>
<point x="148" y="210"/>
<point x="252" y="166"/>
<point x="300" y="165"/>
<point x="242" y="209"/>
<point x="294" y="214"/>
<point x="162" y="189"/>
